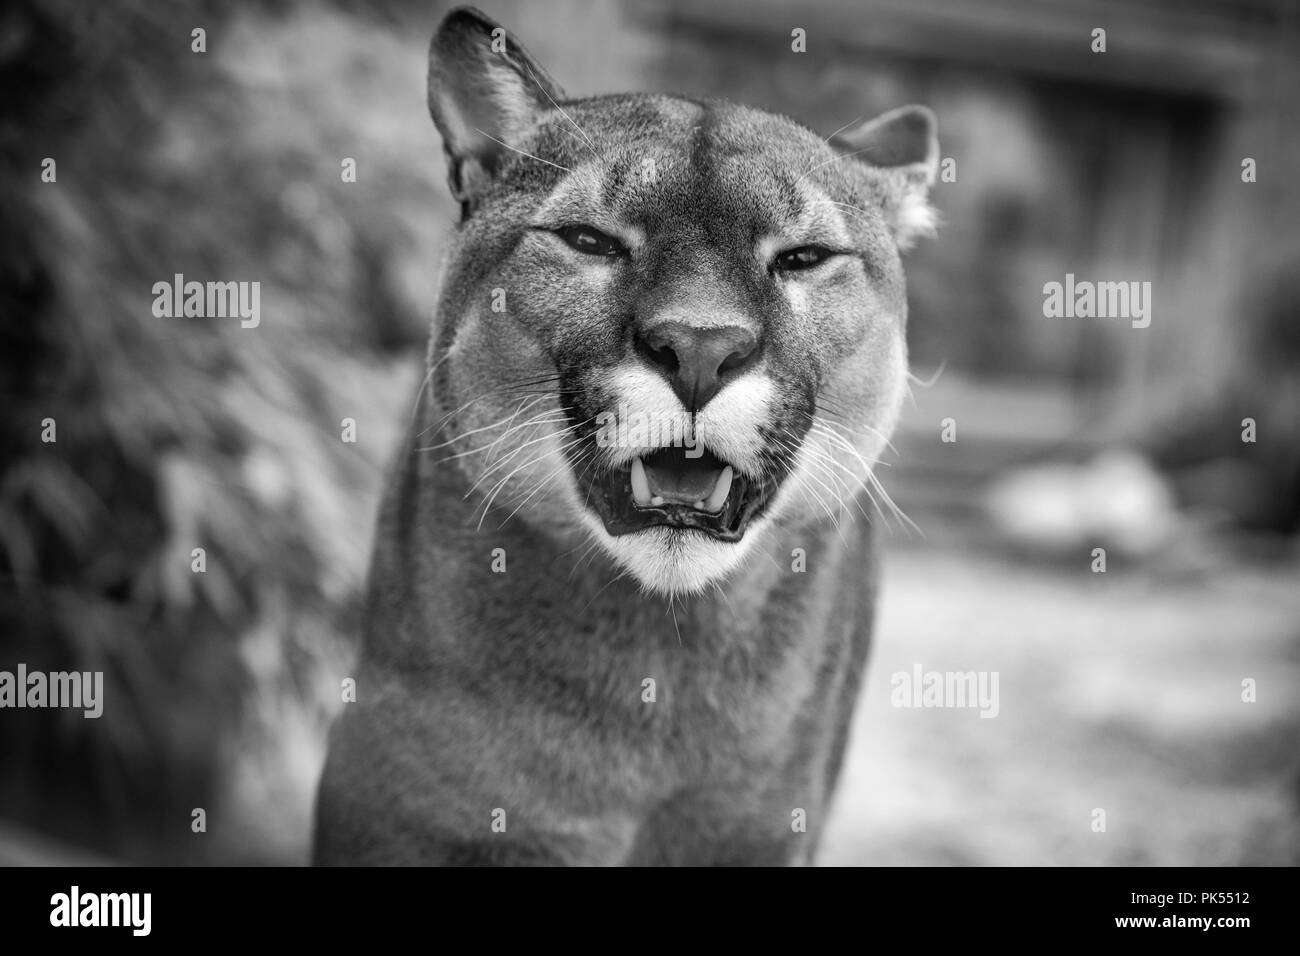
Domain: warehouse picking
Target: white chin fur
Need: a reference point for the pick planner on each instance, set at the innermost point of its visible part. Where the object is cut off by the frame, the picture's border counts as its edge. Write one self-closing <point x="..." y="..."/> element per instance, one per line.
<point x="672" y="561"/>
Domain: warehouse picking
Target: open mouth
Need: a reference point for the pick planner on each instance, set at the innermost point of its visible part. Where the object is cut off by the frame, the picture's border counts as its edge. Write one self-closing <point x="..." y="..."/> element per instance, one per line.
<point x="668" y="489"/>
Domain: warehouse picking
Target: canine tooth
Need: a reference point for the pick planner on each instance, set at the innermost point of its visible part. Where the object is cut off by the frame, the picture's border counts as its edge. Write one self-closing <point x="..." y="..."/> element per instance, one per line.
<point x="640" y="487"/>
<point x="720" y="491"/>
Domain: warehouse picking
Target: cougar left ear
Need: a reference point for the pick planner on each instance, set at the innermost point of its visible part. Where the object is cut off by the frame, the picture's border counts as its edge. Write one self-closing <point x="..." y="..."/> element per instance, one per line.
<point x="485" y="93"/>
<point x="903" y="146"/>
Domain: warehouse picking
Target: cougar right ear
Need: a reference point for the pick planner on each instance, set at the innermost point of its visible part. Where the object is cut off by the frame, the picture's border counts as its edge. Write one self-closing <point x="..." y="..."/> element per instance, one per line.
<point x="485" y="92"/>
<point x="902" y="147"/>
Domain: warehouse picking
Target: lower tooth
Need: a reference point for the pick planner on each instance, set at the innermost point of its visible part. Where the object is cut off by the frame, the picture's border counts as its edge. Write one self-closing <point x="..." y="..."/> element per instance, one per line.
<point x="656" y="501"/>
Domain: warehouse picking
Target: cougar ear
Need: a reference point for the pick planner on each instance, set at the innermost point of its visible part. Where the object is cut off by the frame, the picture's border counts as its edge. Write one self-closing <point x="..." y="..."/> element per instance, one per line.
<point x="903" y="145"/>
<point x="485" y="92"/>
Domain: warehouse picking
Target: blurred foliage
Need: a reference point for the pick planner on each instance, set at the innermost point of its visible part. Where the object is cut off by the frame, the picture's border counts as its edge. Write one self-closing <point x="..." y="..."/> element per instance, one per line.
<point x="175" y="434"/>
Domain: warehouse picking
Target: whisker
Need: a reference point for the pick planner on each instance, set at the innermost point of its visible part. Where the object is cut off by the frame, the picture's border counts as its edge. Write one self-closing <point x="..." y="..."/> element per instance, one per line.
<point x="591" y="546"/>
<point x="851" y="432"/>
<point x="846" y="205"/>
<point x="868" y="467"/>
<point x="419" y="394"/>
<point x="861" y="483"/>
<point x="504" y="459"/>
<point x="933" y="378"/>
<point x="836" y="159"/>
<point x="474" y="431"/>
<point x="842" y="129"/>
<point x="496" y="489"/>
<point x="555" y="473"/>
<point x="522" y="152"/>
<point x="517" y="387"/>
<point x="672" y="607"/>
<point x="817" y="497"/>
<point x="493" y="444"/>
<point x="619" y="576"/>
<point x="580" y="130"/>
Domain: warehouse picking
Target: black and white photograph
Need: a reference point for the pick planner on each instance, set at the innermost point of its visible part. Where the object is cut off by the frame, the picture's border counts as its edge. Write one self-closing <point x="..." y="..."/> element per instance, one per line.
<point x="694" y="433"/>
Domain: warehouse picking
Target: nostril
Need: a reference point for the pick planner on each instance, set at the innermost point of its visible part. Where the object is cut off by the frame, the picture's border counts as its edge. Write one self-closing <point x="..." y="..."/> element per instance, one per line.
<point x="665" y="356"/>
<point x="658" y="350"/>
<point x="735" y="360"/>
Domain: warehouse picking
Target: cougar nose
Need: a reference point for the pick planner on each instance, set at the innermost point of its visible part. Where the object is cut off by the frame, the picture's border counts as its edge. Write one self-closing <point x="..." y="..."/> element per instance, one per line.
<point x="696" y="359"/>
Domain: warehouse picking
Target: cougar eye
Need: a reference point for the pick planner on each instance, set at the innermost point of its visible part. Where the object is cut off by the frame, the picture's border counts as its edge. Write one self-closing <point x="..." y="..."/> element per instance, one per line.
<point x="591" y="242"/>
<point x="804" y="257"/>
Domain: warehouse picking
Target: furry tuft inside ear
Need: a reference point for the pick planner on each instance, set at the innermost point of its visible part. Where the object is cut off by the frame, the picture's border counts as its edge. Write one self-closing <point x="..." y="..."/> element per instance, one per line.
<point x="485" y="93"/>
<point x="902" y="149"/>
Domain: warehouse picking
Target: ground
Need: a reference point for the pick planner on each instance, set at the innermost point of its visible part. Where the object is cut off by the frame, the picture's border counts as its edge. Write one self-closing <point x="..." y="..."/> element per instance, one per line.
<point x="1118" y="691"/>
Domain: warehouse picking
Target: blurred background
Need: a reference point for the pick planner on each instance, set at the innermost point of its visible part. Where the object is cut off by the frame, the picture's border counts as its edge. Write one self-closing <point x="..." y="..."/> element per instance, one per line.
<point x="1119" y="690"/>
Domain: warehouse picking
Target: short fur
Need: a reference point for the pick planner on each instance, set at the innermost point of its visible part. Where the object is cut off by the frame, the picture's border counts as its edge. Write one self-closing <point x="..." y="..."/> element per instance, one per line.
<point x="524" y="691"/>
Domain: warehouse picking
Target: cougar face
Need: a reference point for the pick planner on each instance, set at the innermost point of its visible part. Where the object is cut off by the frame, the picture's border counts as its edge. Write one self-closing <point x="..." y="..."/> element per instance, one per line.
<point x="669" y="322"/>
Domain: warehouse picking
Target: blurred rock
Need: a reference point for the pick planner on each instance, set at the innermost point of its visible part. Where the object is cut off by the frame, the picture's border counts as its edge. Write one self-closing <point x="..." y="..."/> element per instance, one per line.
<point x="1117" y="501"/>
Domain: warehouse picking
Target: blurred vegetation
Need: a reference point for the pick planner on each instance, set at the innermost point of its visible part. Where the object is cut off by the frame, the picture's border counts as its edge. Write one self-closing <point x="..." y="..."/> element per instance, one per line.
<point x="175" y="434"/>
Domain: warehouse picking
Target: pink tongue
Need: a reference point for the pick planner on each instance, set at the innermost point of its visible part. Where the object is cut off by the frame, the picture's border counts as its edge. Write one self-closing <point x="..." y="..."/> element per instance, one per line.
<point x="682" y="483"/>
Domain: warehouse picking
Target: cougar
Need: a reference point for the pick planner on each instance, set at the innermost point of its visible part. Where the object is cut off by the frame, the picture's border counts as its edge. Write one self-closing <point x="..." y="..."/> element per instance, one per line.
<point x="623" y="577"/>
